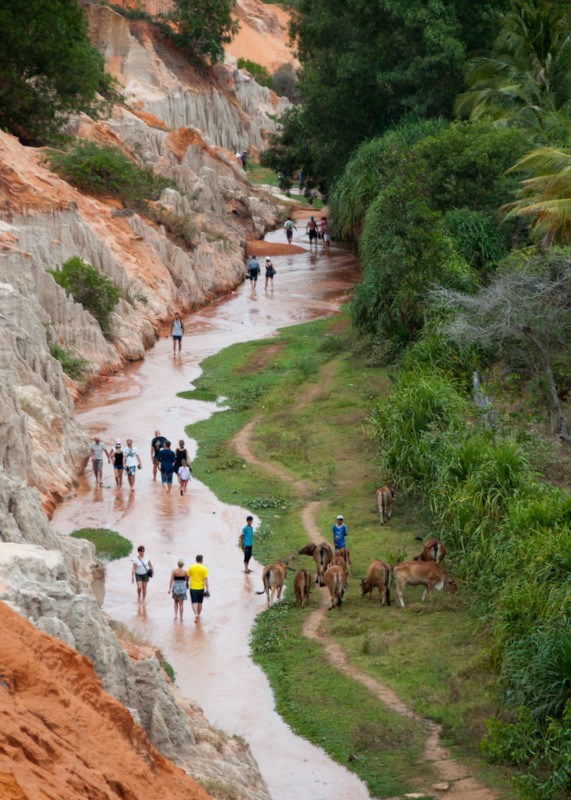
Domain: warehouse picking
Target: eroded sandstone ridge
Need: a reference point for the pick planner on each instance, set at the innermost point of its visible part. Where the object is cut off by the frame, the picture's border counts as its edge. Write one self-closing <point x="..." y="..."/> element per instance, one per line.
<point x="186" y="127"/>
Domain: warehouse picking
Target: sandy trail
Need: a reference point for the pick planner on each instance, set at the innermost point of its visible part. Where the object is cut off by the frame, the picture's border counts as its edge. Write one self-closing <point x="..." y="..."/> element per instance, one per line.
<point x="453" y="779"/>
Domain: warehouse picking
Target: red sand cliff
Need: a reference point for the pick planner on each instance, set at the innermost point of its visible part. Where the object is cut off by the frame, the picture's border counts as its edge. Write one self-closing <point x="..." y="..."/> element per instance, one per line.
<point x="62" y="737"/>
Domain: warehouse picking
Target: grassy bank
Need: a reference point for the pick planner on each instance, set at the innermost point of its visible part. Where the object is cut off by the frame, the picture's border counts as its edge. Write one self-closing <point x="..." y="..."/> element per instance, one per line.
<point x="429" y="653"/>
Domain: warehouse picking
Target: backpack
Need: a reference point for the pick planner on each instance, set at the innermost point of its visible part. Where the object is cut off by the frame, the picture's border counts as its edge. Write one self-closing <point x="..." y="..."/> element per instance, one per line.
<point x="288" y="225"/>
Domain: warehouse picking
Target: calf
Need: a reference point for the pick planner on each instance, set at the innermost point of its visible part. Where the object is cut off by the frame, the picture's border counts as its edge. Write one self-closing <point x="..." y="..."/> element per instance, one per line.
<point x="433" y="550"/>
<point x="421" y="573"/>
<point x="273" y="578"/>
<point x="335" y="582"/>
<point x="346" y="556"/>
<point x="322" y="554"/>
<point x="385" y="496"/>
<point x="302" y="587"/>
<point x="379" y="575"/>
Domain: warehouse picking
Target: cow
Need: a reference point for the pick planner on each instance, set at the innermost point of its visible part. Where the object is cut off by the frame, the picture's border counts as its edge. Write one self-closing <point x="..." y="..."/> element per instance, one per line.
<point x="273" y="578"/>
<point x="346" y="556"/>
<point x="433" y="550"/>
<point x="379" y="575"/>
<point x="302" y="587"/>
<point x="322" y="554"/>
<point x="385" y="496"/>
<point x="335" y="581"/>
<point x="421" y="573"/>
<point x="338" y="561"/>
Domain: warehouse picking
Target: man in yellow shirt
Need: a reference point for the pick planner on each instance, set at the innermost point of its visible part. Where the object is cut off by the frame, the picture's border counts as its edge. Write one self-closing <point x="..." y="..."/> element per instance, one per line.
<point x="198" y="575"/>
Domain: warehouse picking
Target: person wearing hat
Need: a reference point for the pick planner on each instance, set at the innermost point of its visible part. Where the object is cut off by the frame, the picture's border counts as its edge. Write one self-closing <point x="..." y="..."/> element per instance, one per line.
<point x="118" y="457"/>
<point x="270" y="272"/>
<point x="339" y="533"/>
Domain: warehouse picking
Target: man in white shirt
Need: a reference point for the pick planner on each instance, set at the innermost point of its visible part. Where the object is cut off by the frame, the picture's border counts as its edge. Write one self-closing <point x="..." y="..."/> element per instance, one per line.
<point x="97" y="450"/>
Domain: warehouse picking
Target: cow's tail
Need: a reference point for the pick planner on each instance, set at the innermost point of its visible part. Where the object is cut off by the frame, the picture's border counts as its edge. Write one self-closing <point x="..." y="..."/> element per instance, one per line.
<point x="266" y="582"/>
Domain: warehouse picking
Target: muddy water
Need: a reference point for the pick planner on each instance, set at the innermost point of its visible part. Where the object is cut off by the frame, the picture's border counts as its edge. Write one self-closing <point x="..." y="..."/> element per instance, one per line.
<point x="210" y="659"/>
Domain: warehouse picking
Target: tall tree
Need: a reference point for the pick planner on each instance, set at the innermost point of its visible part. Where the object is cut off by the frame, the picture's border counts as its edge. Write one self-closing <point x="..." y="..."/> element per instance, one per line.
<point x="203" y="27"/>
<point x="48" y="67"/>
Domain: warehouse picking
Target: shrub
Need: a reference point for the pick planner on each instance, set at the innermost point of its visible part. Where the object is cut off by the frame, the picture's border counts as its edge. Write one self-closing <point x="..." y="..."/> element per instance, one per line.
<point x="107" y="171"/>
<point x="109" y="544"/>
<point x="257" y="71"/>
<point x="89" y="287"/>
<point x="73" y="365"/>
<point x="284" y="83"/>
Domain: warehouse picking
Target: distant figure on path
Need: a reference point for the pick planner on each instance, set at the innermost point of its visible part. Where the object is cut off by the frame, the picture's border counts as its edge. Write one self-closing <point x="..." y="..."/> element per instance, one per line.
<point x="253" y="271"/>
<point x="140" y="573"/>
<point x="198" y="575"/>
<point x="289" y="228"/>
<point x="340" y="531"/>
<point x="184" y="477"/>
<point x="177" y="587"/>
<point x="97" y="450"/>
<point x="118" y="463"/>
<point x="311" y="230"/>
<point x="132" y="463"/>
<point x="270" y="272"/>
<point x="157" y="442"/>
<point x="244" y="158"/>
<point x="326" y="236"/>
<point x="247" y="542"/>
<point x="166" y="458"/>
<point x="181" y="454"/>
<point x="177" y="333"/>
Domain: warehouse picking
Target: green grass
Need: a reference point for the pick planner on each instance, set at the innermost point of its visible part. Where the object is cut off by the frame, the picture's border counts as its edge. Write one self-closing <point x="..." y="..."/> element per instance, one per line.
<point x="430" y="654"/>
<point x="259" y="174"/>
<point x="109" y="544"/>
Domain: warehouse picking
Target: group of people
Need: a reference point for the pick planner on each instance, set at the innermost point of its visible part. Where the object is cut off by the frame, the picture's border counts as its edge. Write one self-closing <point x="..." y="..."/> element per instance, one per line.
<point x="126" y="460"/>
<point x="315" y="230"/>
<point x="254" y="271"/>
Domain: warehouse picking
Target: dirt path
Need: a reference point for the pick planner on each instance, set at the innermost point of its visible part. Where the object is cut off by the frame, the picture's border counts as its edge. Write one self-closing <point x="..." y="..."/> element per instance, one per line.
<point x="453" y="778"/>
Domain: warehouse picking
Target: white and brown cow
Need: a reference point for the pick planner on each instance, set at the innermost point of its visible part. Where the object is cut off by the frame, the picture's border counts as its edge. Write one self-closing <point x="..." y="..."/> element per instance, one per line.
<point x="322" y="555"/>
<point x="421" y="573"/>
<point x="433" y="550"/>
<point x="379" y="576"/>
<point x="273" y="578"/>
<point x="302" y="587"/>
<point x="344" y="553"/>
<point x="385" y="496"/>
<point x="335" y="580"/>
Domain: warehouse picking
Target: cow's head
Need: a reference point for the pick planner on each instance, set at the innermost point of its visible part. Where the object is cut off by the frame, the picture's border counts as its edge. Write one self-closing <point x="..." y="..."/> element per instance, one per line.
<point x="365" y="588"/>
<point x="308" y="550"/>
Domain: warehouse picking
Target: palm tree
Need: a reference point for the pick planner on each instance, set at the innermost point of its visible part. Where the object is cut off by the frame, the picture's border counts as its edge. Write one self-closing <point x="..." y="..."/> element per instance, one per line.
<point x="526" y="81"/>
<point x="545" y="197"/>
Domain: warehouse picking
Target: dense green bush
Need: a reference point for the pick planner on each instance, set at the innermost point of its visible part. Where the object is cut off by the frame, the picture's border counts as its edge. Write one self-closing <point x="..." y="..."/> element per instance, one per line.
<point x="89" y="287"/>
<point x="107" y="171"/>
<point x="477" y="237"/>
<point x="73" y="365"/>
<point x="259" y="73"/>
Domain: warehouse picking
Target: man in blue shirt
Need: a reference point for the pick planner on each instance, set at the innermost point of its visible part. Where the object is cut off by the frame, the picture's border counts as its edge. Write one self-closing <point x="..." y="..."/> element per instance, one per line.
<point x="246" y="542"/>
<point x="339" y="533"/>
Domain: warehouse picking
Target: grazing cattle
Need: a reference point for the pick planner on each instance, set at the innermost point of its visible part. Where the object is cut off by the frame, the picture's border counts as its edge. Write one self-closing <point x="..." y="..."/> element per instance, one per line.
<point x="338" y="561"/>
<point x="421" y="573"/>
<point x="346" y="556"/>
<point x="379" y="575"/>
<point x="302" y="587"/>
<point x="335" y="581"/>
<point x="322" y="555"/>
<point x="433" y="550"/>
<point x="385" y="496"/>
<point x="273" y="578"/>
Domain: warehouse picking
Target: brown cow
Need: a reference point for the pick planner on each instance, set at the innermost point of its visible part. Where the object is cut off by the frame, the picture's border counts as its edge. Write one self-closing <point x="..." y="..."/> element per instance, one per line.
<point x="338" y="561"/>
<point x="302" y="587"/>
<point x="322" y="554"/>
<point x="433" y="550"/>
<point x="385" y="496"/>
<point x="421" y="573"/>
<point x="346" y="556"/>
<point x="273" y="578"/>
<point x="335" y="582"/>
<point x="379" y="575"/>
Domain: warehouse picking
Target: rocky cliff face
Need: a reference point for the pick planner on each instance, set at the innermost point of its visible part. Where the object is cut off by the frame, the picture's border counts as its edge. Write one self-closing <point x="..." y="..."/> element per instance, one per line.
<point x="178" y="123"/>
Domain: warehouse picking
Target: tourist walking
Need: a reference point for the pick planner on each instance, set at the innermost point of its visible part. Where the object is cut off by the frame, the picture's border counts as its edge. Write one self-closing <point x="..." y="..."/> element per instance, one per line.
<point x="132" y="462"/>
<point x="184" y="477"/>
<point x="181" y="454"/>
<point x="253" y="270"/>
<point x="166" y="458"/>
<point x="141" y="572"/>
<point x="198" y="581"/>
<point x="247" y="542"/>
<point x="289" y="228"/>
<point x="326" y="235"/>
<point x="97" y="450"/>
<point x="270" y="272"/>
<point x="340" y="531"/>
<point x="177" y="587"/>
<point x="311" y="230"/>
<point x="177" y="333"/>
<point x="157" y="442"/>
<point x="118" y="458"/>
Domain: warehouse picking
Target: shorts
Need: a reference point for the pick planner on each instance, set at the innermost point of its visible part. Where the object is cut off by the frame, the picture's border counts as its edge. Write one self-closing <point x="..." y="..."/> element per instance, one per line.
<point x="97" y="464"/>
<point x="166" y="476"/>
<point x="253" y="277"/>
<point x="177" y="338"/>
<point x="131" y="470"/>
<point x="197" y="595"/>
<point x="247" y="553"/>
<point x="184" y="484"/>
<point x="119" y="469"/>
<point x="312" y="235"/>
<point x="144" y="578"/>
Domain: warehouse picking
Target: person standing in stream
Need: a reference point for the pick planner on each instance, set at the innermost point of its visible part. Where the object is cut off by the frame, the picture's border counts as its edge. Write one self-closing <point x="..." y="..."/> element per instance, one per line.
<point x="167" y="458"/>
<point x="177" y="587"/>
<point x="157" y="442"/>
<point x="97" y="450"/>
<point x="198" y="575"/>
<point x="177" y="333"/>
<point x="132" y="463"/>
<point x="253" y="271"/>
<point x="140" y="573"/>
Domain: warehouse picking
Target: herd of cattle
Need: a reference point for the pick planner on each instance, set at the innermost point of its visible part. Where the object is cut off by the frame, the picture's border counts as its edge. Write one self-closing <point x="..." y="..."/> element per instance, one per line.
<point x="333" y="566"/>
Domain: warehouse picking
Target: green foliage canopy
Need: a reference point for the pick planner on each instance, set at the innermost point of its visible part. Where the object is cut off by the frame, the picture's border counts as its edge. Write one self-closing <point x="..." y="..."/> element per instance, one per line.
<point x="203" y="27"/>
<point x="48" y="67"/>
<point x="89" y="287"/>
